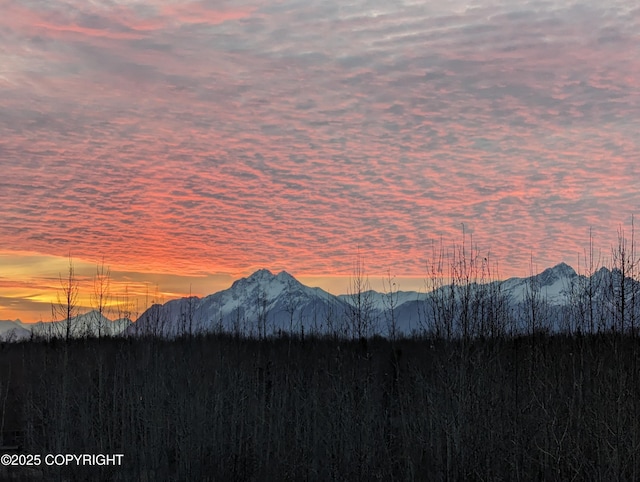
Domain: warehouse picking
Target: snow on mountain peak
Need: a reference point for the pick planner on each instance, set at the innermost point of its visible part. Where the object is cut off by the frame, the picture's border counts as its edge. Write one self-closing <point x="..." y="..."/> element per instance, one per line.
<point x="551" y="275"/>
<point x="261" y="275"/>
<point x="284" y="276"/>
<point x="564" y="270"/>
<point x="266" y="281"/>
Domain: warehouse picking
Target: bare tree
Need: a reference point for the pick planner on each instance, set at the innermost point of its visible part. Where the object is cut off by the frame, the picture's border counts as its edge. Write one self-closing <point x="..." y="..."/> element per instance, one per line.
<point x="464" y="274"/>
<point x="292" y="305"/>
<point x="534" y="306"/>
<point x="437" y="318"/>
<point x="66" y="308"/>
<point x="360" y="302"/>
<point x="492" y="303"/>
<point x="127" y="308"/>
<point x="390" y="300"/>
<point x="586" y="314"/>
<point x="188" y="318"/>
<point x="101" y="296"/>
<point x="623" y="285"/>
<point x="331" y="323"/>
<point x="459" y="297"/>
<point x="263" y="314"/>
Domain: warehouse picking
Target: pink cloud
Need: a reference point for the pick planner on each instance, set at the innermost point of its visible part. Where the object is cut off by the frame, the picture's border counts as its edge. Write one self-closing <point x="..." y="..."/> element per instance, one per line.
<point x="201" y="12"/>
<point x="191" y="138"/>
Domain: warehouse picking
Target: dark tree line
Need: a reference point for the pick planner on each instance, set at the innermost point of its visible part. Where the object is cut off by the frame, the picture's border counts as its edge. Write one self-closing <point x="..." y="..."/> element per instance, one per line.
<point x="219" y="407"/>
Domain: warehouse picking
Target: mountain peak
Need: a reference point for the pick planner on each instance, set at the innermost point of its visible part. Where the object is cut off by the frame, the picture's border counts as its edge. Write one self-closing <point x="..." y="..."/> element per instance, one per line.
<point x="261" y="275"/>
<point x="284" y="276"/>
<point x="266" y="276"/>
<point x="551" y="275"/>
<point x="564" y="270"/>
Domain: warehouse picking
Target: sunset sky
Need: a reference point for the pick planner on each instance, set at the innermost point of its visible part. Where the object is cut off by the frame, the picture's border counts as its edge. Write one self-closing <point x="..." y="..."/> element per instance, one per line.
<point x="190" y="143"/>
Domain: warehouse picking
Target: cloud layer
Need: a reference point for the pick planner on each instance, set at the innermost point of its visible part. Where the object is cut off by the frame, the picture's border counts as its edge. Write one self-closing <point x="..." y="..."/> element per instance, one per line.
<point x="217" y="137"/>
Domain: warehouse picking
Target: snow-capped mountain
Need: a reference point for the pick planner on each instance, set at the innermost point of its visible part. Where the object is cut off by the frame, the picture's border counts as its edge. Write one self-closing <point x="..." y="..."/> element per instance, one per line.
<point x="265" y="304"/>
<point x="382" y="301"/>
<point x="262" y="304"/>
<point x="13" y="330"/>
<point x="92" y="324"/>
<point x="554" y="285"/>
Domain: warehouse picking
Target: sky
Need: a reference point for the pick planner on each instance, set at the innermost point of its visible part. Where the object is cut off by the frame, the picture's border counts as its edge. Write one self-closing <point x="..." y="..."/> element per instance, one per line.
<point x="185" y="144"/>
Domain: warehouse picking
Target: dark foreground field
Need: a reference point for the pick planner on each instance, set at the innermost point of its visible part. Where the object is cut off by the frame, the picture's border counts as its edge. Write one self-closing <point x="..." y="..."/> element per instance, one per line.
<point x="219" y="408"/>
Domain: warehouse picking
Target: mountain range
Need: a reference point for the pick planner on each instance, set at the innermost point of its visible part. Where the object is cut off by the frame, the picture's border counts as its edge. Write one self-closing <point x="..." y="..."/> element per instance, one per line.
<point x="267" y="304"/>
<point x="92" y="323"/>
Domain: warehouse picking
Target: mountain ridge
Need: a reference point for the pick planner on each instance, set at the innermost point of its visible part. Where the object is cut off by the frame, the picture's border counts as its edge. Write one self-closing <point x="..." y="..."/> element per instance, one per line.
<point x="268" y="304"/>
<point x="91" y="323"/>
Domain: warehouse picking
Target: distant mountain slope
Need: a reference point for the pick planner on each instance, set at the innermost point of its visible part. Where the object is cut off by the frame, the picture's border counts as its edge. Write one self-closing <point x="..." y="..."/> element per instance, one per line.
<point x="88" y="324"/>
<point x="268" y="304"/>
<point x="13" y="330"/>
<point x="554" y="284"/>
<point x="262" y="304"/>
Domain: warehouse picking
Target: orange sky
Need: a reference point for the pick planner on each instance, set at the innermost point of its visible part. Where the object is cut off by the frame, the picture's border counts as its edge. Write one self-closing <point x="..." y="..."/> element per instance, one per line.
<point x="190" y="143"/>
